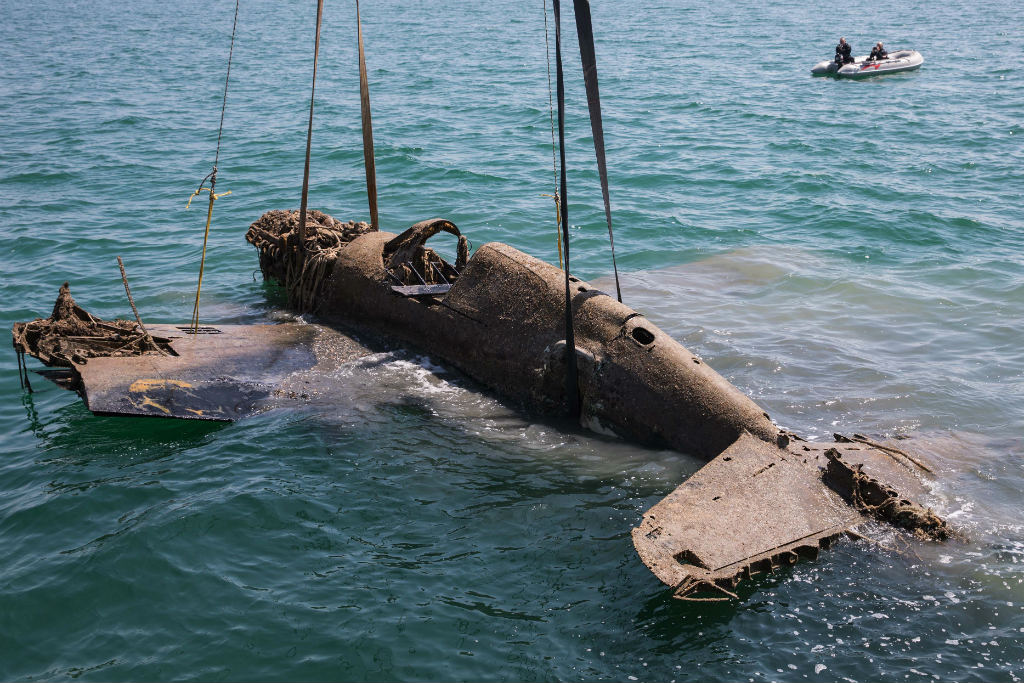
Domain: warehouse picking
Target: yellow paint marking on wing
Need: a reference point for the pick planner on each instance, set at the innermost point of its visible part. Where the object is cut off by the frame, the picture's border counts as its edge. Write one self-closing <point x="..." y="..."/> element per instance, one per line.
<point x="147" y="401"/>
<point x="141" y="385"/>
<point x="196" y="411"/>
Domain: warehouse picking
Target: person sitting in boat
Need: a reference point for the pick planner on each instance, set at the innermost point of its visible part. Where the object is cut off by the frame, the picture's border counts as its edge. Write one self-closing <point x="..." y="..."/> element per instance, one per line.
<point x="843" y="51"/>
<point x="878" y="53"/>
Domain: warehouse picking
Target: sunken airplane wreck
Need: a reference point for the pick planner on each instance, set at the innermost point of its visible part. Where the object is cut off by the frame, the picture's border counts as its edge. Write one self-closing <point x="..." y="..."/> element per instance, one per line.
<point x="529" y="332"/>
<point x="765" y="499"/>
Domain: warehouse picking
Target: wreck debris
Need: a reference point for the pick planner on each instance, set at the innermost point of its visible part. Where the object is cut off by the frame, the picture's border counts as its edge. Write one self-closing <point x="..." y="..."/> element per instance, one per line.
<point x="301" y="271"/>
<point x="883" y="502"/>
<point x="409" y="262"/>
<point x="71" y="336"/>
<point x="753" y="509"/>
<point x="222" y="373"/>
<point x="731" y="520"/>
<point x="216" y="373"/>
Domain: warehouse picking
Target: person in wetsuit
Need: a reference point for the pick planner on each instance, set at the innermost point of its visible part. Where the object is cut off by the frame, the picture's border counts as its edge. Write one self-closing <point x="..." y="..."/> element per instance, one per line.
<point x="878" y="53"/>
<point x="843" y="51"/>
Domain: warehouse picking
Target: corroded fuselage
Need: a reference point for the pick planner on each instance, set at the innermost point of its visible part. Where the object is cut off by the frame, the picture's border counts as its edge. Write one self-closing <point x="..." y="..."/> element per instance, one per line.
<point x="503" y="324"/>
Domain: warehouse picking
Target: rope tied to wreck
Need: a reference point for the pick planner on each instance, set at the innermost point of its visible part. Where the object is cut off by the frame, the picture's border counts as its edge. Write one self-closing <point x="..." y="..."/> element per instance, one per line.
<point x="273" y="236"/>
<point x="71" y="336"/>
<point x="212" y="178"/>
<point x="551" y="119"/>
<point x="888" y="450"/>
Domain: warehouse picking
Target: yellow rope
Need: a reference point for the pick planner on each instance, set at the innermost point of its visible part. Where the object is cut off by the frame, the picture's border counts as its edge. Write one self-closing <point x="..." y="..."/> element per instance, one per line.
<point x="206" y="238"/>
<point x="558" y="224"/>
<point x="205" y="189"/>
<point x="551" y="118"/>
<point x="212" y="177"/>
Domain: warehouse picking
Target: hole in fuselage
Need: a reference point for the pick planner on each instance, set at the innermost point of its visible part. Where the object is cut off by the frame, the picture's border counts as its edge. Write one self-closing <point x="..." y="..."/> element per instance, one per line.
<point x="643" y="336"/>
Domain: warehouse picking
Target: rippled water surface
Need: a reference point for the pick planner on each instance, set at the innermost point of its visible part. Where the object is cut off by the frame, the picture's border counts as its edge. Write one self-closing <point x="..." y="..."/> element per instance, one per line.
<point x="846" y="252"/>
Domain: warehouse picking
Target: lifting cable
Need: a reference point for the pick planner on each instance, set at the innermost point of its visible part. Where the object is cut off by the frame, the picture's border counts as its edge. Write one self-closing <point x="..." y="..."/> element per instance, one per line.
<point x="309" y="132"/>
<point x="551" y="117"/>
<point x="585" y="32"/>
<point x="364" y="106"/>
<point x="212" y="178"/>
<point x="571" y="374"/>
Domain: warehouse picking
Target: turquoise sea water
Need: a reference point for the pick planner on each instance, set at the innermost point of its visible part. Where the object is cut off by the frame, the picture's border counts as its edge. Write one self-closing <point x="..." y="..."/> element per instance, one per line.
<point x="849" y="253"/>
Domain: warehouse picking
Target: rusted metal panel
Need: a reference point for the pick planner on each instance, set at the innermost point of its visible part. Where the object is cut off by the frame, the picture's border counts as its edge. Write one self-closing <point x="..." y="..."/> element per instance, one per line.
<point x="759" y="507"/>
<point x="219" y="375"/>
<point x="420" y="290"/>
<point x="749" y="509"/>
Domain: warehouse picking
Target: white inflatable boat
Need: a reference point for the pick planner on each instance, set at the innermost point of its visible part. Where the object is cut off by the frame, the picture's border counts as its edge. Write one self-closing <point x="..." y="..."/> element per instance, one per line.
<point x="898" y="60"/>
